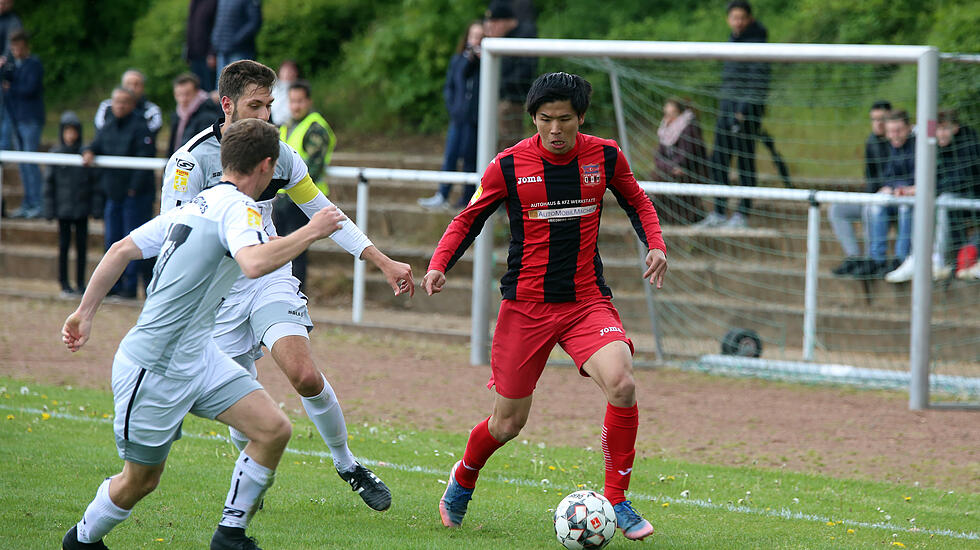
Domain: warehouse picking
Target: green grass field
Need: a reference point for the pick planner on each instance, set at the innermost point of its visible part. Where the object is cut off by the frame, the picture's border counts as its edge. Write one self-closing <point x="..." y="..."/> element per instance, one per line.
<point x="56" y="445"/>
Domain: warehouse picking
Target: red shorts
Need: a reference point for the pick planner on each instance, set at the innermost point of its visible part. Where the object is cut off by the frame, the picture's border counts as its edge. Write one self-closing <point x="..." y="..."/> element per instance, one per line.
<point x="527" y="332"/>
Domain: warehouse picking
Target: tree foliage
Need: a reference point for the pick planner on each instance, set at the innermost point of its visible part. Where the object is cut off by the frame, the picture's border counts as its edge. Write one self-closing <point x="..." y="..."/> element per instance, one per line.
<point x="380" y="65"/>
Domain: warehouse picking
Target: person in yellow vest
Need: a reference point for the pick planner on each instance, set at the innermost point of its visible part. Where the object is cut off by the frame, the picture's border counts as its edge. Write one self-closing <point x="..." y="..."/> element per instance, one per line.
<point x="314" y="140"/>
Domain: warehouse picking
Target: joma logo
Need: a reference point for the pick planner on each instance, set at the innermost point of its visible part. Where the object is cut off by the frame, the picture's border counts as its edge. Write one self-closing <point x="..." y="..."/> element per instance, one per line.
<point x="529" y="179"/>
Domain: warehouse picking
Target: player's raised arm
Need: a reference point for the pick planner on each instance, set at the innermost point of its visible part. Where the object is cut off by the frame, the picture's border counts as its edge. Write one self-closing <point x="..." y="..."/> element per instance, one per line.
<point x="78" y="325"/>
<point x="257" y="260"/>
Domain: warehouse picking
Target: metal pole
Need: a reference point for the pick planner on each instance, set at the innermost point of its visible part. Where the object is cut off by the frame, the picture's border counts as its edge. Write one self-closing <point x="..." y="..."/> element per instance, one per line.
<point x="483" y="249"/>
<point x="922" y="226"/>
<point x="812" y="279"/>
<point x="624" y="144"/>
<point x="357" y="309"/>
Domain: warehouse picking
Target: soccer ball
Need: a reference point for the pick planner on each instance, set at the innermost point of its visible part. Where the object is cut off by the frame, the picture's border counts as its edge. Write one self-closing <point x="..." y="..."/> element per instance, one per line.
<point x="585" y="520"/>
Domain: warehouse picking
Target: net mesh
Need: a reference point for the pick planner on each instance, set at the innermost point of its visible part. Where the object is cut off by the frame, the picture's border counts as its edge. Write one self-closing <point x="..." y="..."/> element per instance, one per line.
<point x="813" y="134"/>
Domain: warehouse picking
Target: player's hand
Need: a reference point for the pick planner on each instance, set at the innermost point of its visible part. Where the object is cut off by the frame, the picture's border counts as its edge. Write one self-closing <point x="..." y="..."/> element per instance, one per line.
<point x="326" y="221"/>
<point x="76" y="331"/>
<point x="399" y="276"/>
<point x="656" y="262"/>
<point x="433" y="282"/>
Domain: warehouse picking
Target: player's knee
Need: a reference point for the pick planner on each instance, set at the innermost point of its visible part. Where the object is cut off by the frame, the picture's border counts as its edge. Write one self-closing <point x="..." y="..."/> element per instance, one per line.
<point x="621" y="388"/>
<point x="135" y="487"/>
<point x="281" y="432"/>
<point x="508" y="428"/>
<point x="305" y="378"/>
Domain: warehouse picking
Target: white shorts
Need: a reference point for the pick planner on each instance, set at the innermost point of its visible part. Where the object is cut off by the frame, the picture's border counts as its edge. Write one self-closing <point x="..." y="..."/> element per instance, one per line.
<point x="150" y="408"/>
<point x="246" y="315"/>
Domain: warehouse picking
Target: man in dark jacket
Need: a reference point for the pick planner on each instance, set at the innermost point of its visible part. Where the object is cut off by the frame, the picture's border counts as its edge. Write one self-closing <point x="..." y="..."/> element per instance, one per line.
<point x="129" y="195"/>
<point x="194" y="111"/>
<point x="744" y="88"/>
<point x="843" y="216"/>
<point x="198" y="52"/>
<point x="236" y="23"/>
<point x="22" y="79"/>
<point x="9" y="24"/>
<point x="68" y="197"/>
<point x="134" y="81"/>
<point x="516" y="73"/>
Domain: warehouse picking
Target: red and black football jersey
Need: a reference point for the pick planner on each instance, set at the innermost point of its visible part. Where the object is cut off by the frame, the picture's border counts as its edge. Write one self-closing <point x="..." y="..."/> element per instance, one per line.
<point x="553" y="203"/>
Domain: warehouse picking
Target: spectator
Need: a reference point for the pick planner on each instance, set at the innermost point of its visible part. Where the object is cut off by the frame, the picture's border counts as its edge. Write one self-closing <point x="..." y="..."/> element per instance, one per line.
<point x="236" y="23"/>
<point x="194" y="112"/>
<point x="843" y="216"/>
<point x="898" y="178"/>
<point x="957" y="157"/>
<point x="198" y="51"/>
<point x="516" y="73"/>
<point x="135" y="81"/>
<point x="126" y="191"/>
<point x="68" y="197"/>
<point x="288" y="74"/>
<point x="744" y="87"/>
<point x="22" y="79"/>
<point x="681" y="157"/>
<point x="307" y="132"/>
<point x="462" y="95"/>
<point x="9" y="24"/>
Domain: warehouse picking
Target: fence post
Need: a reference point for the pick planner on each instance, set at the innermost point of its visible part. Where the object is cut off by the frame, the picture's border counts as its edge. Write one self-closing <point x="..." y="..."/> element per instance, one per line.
<point x="357" y="309"/>
<point x="812" y="278"/>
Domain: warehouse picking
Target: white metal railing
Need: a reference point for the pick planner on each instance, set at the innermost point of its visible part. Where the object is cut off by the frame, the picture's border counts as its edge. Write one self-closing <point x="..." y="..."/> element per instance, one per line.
<point x="363" y="176"/>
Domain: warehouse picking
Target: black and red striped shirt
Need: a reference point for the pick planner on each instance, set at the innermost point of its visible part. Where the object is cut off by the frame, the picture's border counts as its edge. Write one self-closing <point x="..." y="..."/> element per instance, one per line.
<point x="553" y="203"/>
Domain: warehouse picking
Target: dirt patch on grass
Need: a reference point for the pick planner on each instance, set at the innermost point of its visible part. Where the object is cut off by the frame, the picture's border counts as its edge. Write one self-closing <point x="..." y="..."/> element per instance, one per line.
<point x="827" y="430"/>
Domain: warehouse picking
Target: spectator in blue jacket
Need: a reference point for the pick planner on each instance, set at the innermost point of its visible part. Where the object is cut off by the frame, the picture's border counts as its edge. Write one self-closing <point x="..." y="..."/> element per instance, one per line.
<point x="462" y="95"/>
<point x="236" y="24"/>
<point x="128" y="193"/>
<point x="198" y="51"/>
<point x="22" y="79"/>
<point x="898" y="178"/>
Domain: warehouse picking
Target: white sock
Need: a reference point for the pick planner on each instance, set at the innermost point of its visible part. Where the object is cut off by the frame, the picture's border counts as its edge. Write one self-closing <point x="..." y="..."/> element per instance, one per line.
<point x="237" y="438"/>
<point x="324" y="410"/>
<point x="248" y="484"/>
<point x="101" y="516"/>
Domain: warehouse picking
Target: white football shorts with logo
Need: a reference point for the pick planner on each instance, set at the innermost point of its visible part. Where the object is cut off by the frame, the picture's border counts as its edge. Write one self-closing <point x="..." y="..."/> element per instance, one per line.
<point x="251" y="308"/>
<point x="150" y="408"/>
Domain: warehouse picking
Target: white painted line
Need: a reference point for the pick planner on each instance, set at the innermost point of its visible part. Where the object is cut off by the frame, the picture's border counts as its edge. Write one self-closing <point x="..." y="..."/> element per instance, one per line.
<point x="781" y="513"/>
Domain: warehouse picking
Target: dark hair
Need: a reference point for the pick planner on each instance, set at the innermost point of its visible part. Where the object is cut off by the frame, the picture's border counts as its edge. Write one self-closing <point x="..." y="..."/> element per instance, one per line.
<point x="881" y="104"/>
<point x="739" y="5"/>
<point x="898" y="114"/>
<point x="20" y="35"/>
<point x="236" y="78"/>
<point x="302" y="85"/>
<point x="184" y="78"/>
<point x="290" y="62"/>
<point x="466" y="35"/>
<point x="948" y="115"/>
<point x="500" y="9"/>
<point x="246" y="143"/>
<point x="559" y="87"/>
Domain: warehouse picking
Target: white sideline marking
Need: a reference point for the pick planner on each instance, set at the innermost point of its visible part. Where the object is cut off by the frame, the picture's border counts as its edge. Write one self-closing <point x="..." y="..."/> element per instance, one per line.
<point x="781" y="513"/>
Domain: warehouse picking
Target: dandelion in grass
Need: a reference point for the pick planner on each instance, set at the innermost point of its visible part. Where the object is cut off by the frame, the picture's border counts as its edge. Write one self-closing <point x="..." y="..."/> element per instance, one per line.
<point x="10" y="417"/>
<point x="908" y="499"/>
<point x="666" y="505"/>
<point x="45" y="416"/>
<point x="850" y="531"/>
<point x="898" y="544"/>
<point x="830" y="524"/>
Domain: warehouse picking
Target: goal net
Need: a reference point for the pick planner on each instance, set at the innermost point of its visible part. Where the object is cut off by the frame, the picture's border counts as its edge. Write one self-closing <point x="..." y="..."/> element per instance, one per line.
<point x="748" y="282"/>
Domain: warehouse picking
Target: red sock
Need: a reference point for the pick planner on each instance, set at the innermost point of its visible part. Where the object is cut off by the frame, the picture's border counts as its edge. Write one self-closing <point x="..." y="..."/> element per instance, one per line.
<point x="479" y="447"/>
<point x="619" y="448"/>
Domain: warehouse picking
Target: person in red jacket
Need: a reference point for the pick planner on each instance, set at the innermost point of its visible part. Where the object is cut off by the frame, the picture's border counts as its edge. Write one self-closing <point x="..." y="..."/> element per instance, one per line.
<point x="552" y="186"/>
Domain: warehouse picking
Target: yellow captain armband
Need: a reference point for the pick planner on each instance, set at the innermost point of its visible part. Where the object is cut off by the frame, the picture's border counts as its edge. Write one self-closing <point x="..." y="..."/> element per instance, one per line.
<point x="304" y="191"/>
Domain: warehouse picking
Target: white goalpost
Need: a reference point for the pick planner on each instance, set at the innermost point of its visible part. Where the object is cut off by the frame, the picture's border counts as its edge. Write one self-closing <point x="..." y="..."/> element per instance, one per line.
<point x="926" y="60"/>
